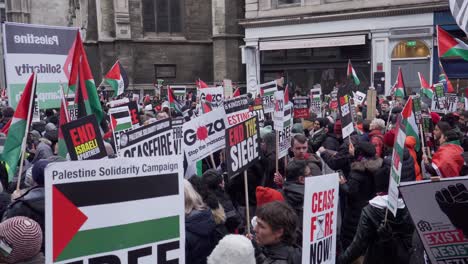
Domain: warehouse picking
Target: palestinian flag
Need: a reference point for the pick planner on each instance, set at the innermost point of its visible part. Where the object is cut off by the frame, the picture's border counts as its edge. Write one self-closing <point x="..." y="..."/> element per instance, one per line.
<point x="450" y="46"/>
<point x="64" y="118"/>
<point x="409" y="121"/>
<point x="81" y="81"/>
<point x="117" y="79"/>
<point x="399" y="87"/>
<point x="425" y="90"/>
<point x="12" y="149"/>
<point x="443" y="78"/>
<point x="351" y="73"/>
<point x="6" y="128"/>
<point x="87" y="218"/>
<point x="201" y="84"/>
<point x="286" y="95"/>
<point x="120" y="119"/>
<point x="236" y="92"/>
<point x="173" y="102"/>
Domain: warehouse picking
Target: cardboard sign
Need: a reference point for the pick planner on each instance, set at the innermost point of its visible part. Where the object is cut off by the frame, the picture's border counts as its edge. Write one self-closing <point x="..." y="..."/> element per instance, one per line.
<point x="257" y="110"/>
<point x="83" y="139"/>
<point x="359" y="97"/>
<point x="301" y="107"/>
<point x="417" y="108"/>
<point x="371" y="104"/>
<point x="120" y="118"/>
<point x="214" y="95"/>
<point x="334" y="99"/>
<point x="267" y="92"/>
<point x="84" y="205"/>
<point x="242" y="146"/>
<point x="180" y="92"/>
<point x="316" y="101"/>
<point x="395" y="170"/>
<point x="284" y="143"/>
<point x="237" y="110"/>
<point x="283" y="120"/>
<point x="153" y="140"/>
<point x="346" y="116"/>
<point x="320" y="219"/>
<point x="439" y="213"/>
<point x="438" y="99"/>
<point x="119" y="102"/>
<point x="451" y="102"/>
<point x="204" y="135"/>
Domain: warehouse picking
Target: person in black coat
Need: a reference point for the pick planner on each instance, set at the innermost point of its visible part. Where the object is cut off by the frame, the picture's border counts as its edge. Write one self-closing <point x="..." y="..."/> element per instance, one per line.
<point x="358" y="188"/>
<point x="408" y="172"/>
<point x="215" y="183"/>
<point x="381" y="242"/>
<point x="200" y="227"/>
<point x="332" y="141"/>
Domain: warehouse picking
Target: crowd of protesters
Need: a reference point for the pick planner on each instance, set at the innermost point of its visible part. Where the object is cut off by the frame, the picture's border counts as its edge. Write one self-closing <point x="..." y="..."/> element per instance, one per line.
<point x="215" y="207"/>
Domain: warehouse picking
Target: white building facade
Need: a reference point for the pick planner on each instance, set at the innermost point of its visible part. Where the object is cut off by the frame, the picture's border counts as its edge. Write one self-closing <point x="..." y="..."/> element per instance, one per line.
<point x="311" y="41"/>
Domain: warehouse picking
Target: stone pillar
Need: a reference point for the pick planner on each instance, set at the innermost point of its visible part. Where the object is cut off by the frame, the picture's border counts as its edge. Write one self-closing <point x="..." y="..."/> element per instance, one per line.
<point x="18" y="11"/>
<point x="381" y="57"/>
<point x="252" y="64"/>
<point x="227" y="38"/>
<point x="105" y="20"/>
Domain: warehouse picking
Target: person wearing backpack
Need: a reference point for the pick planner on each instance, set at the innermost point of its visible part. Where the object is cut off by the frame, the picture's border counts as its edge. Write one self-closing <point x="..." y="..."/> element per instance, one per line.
<point x="379" y="241"/>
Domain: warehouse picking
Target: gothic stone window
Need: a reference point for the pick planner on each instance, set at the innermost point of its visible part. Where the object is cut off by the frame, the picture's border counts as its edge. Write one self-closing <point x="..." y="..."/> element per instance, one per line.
<point x="286" y="3"/>
<point x="162" y="16"/>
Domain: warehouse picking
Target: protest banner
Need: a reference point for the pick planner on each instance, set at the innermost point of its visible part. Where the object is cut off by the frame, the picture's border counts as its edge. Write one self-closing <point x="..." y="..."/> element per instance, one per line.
<point x="132" y="107"/>
<point x="214" y="95"/>
<point x="267" y="92"/>
<point x="451" y="102"/>
<point x="316" y="101"/>
<point x="438" y="210"/>
<point x="395" y="170"/>
<point x="177" y="134"/>
<point x="438" y="99"/>
<point x="84" y="201"/>
<point x="72" y="108"/>
<point x="345" y="112"/>
<point x="301" y="107"/>
<point x="36" y="112"/>
<point x="118" y="102"/>
<point x="204" y="135"/>
<point x="242" y="146"/>
<point x="38" y="48"/>
<point x="257" y="110"/>
<point x="153" y="140"/>
<point x="359" y="97"/>
<point x="428" y="127"/>
<point x="278" y="114"/>
<point x="320" y="219"/>
<point x="237" y="110"/>
<point x="83" y="139"/>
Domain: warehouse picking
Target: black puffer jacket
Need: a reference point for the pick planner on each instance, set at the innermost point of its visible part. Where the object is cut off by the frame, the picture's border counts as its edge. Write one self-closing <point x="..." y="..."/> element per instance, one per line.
<point x="233" y="218"/>
<point x="359" y="189"/>
<point x="199" y="236"/>
<point x="392" y="245"/>
<point x="293" y="193"/>
<point x="407" y="167"/>
<point x="332" y="142"/>
<point x="278" y="254"/>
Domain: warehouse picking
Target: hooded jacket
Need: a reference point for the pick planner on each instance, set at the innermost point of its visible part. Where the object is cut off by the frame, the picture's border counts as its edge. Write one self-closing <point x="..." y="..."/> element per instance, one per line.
<point x="376" y="138"/>
<point x="331" y="142"/>
<point x="448" y="160"/>
<point x="315" y="142"/>
<point x="359" y="189"/>
<point x="381" y="245"/>
<point x="199" y="236"/>
<point x="410" y="144"/>
<point x="278" y="254"/>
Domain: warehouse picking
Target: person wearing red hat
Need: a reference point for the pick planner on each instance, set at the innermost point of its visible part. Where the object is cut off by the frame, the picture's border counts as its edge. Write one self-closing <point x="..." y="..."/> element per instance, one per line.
<point x="266" y="195"/>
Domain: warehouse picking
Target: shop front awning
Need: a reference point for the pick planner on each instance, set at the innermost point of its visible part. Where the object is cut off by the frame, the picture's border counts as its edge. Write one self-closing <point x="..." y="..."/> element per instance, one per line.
<point x="313" y="42"/>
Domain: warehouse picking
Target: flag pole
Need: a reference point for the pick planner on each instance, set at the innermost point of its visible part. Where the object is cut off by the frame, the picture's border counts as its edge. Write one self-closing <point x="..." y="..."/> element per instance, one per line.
<point x="277" y="151"/>
<point x="65" y="103"/>
<point x="26" y="132"/>
<point x="247" y="206"/>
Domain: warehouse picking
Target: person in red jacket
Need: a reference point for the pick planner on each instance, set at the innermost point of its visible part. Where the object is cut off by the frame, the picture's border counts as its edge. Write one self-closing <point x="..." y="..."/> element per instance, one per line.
<point x="410" y="144"/>
<point x="376" y="136"/>
<point x="448" y="160"/>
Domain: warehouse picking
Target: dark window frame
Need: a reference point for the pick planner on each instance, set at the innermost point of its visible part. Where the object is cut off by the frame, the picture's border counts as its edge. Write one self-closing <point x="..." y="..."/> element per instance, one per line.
<point x="154" y="27"/>
<point x="276" y="4"/>
<point x="156" y="66"/>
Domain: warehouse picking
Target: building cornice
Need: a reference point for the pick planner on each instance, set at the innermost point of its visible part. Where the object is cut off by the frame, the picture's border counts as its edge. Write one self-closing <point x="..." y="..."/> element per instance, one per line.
<point x="345" y="15"/>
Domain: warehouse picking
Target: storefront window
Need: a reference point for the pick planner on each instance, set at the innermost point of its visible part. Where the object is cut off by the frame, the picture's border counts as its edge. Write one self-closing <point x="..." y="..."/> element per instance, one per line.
<point x="410" y="49"/>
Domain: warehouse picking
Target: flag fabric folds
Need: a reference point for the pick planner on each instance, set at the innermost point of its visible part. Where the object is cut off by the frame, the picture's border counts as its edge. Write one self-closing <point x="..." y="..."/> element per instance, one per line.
<point x="117" y="79"/>
<point x="450" y="46"/>
<point x="351" y="73"/>
<point x="12" y="149"/>
<point x="81" y="81"/>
